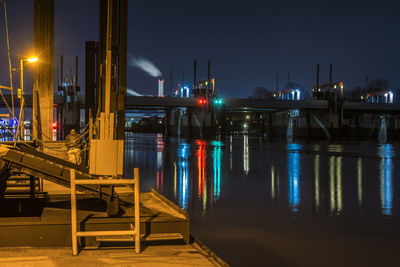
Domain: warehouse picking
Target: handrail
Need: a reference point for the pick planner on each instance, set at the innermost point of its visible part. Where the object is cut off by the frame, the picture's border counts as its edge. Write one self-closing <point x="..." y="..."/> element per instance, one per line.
<point x="133" y="232"/>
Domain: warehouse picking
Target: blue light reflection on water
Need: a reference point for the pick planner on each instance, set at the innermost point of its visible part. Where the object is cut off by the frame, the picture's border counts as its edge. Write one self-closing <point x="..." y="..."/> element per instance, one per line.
<point x="217" y="152"/>
<point x="293" y="166"/>
<point x="337" y="179"/>
<point x="386" y="188"/>
<point x="353" y="186"/>
<point x="183" y="163"/>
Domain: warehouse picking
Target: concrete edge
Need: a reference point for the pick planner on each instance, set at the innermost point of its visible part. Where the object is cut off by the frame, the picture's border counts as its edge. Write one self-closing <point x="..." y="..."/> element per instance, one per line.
<point x="211" y="256"/>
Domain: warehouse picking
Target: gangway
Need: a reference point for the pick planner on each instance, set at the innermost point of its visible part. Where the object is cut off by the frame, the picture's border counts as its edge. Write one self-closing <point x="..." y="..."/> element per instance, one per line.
<point x="160" y="219"/>
<point x="32" y="162"/>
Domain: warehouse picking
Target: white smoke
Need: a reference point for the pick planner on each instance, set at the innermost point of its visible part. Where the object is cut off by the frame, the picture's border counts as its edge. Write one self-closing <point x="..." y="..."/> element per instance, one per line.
<point x="132" y="92"/>
<point x="145" y="65"/>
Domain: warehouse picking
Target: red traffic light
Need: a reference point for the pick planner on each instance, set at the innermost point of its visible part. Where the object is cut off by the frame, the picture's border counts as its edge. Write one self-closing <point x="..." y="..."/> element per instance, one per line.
<point x="202" y="101"/>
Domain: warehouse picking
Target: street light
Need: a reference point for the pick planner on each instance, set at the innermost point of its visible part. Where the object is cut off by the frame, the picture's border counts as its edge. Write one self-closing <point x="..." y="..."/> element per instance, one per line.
<point x="21" y="94"/>
<point x="32" y="59"/>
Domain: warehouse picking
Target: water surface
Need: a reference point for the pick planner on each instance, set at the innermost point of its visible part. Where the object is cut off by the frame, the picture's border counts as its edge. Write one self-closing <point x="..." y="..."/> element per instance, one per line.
<point x="280" y="204"/>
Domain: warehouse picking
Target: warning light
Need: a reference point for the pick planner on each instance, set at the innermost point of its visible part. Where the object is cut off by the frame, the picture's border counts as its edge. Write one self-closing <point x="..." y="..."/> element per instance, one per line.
<point x="54" y="125"/>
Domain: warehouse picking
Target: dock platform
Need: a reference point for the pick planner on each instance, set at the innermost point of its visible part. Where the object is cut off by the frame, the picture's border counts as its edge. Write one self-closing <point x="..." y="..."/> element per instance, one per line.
<point x="51" y="226"/>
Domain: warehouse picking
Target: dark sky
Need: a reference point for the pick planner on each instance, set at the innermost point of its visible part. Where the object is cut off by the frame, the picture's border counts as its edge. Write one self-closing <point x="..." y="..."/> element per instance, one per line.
<point x="247" y="41"/>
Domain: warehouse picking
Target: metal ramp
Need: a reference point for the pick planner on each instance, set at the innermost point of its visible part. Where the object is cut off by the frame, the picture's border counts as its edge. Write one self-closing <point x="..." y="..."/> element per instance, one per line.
<point x="32" y="162"/>
<point x="160" y="219"/>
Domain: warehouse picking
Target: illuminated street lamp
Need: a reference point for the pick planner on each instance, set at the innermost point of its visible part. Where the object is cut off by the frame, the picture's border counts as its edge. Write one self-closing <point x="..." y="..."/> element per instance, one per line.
<point x="32" y="59"/>
<point x="21" y="93"/>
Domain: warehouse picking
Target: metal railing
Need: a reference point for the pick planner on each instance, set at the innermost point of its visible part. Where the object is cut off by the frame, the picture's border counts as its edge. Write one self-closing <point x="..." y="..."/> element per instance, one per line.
<point x="136" y="229"/>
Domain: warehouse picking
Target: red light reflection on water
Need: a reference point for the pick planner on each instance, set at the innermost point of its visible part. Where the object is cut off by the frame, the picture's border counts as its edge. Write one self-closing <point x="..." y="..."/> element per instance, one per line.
<point x="201" y="166"/>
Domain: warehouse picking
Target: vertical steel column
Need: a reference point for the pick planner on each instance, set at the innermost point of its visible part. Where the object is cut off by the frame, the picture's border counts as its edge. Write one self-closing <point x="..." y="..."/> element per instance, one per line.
<point x="61" y="70"/>
<point x="122" y="65"/>
<point x="73" y="213"/>
<point x="208" y="79"/>
<point x="137" y="210"/>
<point x="101" y="53"/>
<point x="43" y="41"/>
<point x="194" y="74"/>
<point x="170" y="82"/>
<point x="90" y="78"/>
<point x="317" y="77"/>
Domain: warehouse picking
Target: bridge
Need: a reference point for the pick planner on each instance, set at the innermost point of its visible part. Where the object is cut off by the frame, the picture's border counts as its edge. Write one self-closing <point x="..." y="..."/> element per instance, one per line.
<point x="149" y="102"/>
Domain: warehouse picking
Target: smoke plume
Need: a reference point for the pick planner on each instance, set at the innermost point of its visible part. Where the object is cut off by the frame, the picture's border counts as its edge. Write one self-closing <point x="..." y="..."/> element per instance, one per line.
<point x="132" y="92"/>
<point x="145" y="65"/>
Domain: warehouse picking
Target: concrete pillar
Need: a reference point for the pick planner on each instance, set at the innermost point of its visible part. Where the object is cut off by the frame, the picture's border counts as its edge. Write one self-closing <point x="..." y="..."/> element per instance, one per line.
<point x="289" y="132"/>
<point x="382" y="136"/>
<point x="43" y="76"/>
<point x="190" y="124"/>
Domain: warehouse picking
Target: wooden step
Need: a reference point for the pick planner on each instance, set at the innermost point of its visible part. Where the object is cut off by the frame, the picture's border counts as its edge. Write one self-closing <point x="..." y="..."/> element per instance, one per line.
<point x="151" y="237"/>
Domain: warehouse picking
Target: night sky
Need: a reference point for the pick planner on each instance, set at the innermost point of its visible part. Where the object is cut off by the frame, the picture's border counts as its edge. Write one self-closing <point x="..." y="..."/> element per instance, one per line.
<point x="247" y="41"/>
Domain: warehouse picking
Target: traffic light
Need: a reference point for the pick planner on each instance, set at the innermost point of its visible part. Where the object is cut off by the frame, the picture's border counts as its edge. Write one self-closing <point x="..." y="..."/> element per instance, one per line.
<point x="218" y="101"/>
<point x="202" y="101"/>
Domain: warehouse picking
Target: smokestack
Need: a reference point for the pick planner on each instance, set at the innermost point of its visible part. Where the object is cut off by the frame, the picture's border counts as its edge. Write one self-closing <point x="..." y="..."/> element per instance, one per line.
<point x="76" y="72"/>
<point x="208" y="78"/>
<point x="61" y="69"/>
<point x="194" y="73"/>
<point x="288" y="79"/>
<point x="170" y="82"/>
<point x="317" y="77"/>
<point x="330" y="73"/>
<point x="277" y="83"/>
<point x="160" y="88"/>
<point x="58" y="76"/>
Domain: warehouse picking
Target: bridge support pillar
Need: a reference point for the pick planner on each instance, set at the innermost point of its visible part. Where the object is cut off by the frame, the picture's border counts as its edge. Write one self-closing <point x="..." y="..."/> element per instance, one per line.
<point x="382" y="136"/>
<point x="190" y="124"/>
<point x="166" y="123"/>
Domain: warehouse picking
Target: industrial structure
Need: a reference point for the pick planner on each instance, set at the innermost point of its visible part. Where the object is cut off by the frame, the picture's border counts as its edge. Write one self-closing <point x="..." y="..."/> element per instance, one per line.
<point x="68" y="104"/>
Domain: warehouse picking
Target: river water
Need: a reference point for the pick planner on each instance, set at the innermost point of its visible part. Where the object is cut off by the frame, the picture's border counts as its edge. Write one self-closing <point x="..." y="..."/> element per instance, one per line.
<point x="260" y="203"/>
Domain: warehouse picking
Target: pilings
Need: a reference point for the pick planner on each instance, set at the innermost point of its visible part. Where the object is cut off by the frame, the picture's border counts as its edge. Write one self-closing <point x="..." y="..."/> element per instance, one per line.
<point x="43" y="75"/>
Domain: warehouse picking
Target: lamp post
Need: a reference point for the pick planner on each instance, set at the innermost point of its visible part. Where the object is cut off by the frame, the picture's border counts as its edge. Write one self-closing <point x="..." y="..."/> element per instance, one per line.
<point x="21" y="95"/>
